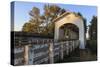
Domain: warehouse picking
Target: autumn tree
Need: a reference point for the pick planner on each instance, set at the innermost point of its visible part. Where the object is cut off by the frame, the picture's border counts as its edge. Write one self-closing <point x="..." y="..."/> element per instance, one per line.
<point x="43" y="23"/>
<point x="50" y="13"/>
<point x="33" y="24"/>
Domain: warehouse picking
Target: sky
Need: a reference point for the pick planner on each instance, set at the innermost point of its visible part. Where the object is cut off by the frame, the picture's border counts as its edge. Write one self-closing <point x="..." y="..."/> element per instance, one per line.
<point x="22" y="9"/>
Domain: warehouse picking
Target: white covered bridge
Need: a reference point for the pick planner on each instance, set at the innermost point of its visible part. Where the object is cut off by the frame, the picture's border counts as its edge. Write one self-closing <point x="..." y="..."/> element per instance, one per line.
<point x="69" y="35"/>
<point x="72" y="20"/>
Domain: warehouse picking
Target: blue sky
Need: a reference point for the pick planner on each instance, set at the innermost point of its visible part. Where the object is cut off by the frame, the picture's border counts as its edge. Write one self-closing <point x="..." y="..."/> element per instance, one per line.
<point x="22" y="9"/>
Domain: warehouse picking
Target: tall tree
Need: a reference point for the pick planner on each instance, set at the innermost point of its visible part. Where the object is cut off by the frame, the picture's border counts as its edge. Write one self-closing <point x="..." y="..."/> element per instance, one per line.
<point x="35" y="12"/>
<point x="93" y="28"/>
<point x="42" y="23"/>
<point x="33" y="24"/>
<point x="50" y="13"/>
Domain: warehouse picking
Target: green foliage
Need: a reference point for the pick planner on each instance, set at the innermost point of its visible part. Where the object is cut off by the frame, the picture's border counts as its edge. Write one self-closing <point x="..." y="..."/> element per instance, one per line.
<point x="93" y="29"/>
<point x="92" y="45"/>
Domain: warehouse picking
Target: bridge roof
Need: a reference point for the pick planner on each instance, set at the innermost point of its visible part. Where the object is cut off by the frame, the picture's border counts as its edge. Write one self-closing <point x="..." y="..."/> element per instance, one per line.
<point x="64" y="14"/>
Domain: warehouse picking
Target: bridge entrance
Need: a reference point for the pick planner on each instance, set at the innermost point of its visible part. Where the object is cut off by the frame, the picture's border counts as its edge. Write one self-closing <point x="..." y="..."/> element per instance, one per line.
<point x="69" y="31"/>
<point x="70" y="26"/>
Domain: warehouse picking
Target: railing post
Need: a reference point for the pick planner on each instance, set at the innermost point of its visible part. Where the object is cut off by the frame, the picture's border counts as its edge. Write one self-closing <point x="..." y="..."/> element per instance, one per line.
<point x="73" y="45"/>
<point x="61" y="50"/>
<point x="19" y="43"/>
<point x="26" y="56"/>
<point x="51" y="58"/>
<point x="78" y="43"/>
<point x="26" y="53"/>
<point x="67" y="49"/>
<point x="30" y="53"/>
<point x="70" y="46"/>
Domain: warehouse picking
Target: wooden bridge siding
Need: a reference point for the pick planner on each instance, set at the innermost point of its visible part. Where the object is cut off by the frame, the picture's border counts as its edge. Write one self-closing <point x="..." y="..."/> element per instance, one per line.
<point x="56" y="49"/>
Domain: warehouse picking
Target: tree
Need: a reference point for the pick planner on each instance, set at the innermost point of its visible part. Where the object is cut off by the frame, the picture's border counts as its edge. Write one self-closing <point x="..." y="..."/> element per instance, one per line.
<point x="93" y="28"/>
<point x="43" y="23"/>
<point x="50" y="13"/>
<point x="35" y="12"/>
<point x="30" y="26"/>
<point x="33" y="24"/>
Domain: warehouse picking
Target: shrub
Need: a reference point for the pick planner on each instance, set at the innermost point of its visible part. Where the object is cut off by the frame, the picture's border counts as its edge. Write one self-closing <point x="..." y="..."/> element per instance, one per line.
<point x="92" y="45"/>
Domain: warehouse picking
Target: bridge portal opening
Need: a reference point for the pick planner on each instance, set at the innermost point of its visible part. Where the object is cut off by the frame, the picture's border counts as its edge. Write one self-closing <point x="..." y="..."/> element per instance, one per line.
<point x="69" y="31"/>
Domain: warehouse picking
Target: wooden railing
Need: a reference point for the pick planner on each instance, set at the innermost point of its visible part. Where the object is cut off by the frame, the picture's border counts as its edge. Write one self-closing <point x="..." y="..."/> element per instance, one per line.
<point x="44" y="51"/>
